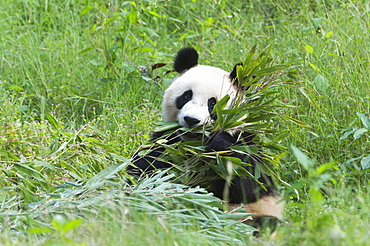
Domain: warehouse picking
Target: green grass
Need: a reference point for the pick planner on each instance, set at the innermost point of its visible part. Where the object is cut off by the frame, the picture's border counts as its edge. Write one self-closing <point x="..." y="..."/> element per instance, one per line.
<point x="74" y="106"/>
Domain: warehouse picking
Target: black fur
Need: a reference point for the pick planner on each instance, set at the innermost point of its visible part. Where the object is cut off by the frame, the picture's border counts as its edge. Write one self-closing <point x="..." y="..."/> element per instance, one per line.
<point x="270" y="222"/>
<point x="185" y="59"/>
<point x="233" y="75"/>
<point x="183" y="99"/>
<point x="234" y="78"/>
<point x="241" y="190"/>
<point x="150" y="160"/>
<point x="220" y="141"/>
<point x="211" y="104"/>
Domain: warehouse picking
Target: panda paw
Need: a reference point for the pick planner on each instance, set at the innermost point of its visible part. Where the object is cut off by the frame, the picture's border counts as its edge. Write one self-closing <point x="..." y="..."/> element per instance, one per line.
<point x="220" y="141"/>
<point x="264" y="223"/>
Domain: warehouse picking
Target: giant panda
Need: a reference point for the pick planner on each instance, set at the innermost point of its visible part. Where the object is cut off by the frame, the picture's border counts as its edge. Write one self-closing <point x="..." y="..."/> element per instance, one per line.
<point x="189" y="100"/>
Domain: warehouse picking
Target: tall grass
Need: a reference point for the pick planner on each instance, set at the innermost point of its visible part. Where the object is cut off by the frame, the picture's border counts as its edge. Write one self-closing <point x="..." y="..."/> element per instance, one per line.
<point x="80" y="90"/>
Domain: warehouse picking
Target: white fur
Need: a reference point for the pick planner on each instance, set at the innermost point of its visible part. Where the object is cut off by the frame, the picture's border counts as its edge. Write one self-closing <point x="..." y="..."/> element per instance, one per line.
<point x="266" y="206"/>
<point x="205" y="82"/>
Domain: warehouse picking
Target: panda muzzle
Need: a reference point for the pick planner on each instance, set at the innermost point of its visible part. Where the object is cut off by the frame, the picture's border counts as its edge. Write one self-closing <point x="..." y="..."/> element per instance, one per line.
<point x="191" y="121"/>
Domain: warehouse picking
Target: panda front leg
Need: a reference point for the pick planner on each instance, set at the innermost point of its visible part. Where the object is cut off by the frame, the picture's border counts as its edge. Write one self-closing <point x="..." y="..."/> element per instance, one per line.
<point x="265" y="205"/>
<point x="148" y="160"/>
<point x="268" y="212"/>
<point x="220" y="141"/>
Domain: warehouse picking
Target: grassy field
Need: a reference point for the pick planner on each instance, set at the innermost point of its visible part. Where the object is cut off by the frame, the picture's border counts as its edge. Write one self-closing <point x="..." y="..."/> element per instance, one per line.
<point x="79" y="93"/>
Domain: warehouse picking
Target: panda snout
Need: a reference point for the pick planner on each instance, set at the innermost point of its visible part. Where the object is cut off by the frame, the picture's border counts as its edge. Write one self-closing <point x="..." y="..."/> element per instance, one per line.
<point x="191" y="121"/>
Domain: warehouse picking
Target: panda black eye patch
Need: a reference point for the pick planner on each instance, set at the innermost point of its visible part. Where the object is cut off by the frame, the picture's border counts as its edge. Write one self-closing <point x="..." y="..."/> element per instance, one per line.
<point x="184" y="98"/>
<point x="211" y="104"/>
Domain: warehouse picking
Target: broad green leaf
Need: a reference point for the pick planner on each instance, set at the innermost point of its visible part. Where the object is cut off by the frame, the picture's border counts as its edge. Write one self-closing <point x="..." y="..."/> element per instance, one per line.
<point x="321" y="83"/>
<point x="210" y="20"/>
<point x="316" y="195"/>
<point x="302" y="158"/>
<point x="85" y="50"/>
<point x="358" y="133"/>
<point x="86" y="10"/>
<point x="72" y="170"/>
<point x="347" y="134"/>
<point x="42" y="104"/>
<point x="235" y="216"/>
<point x="365" y="120"/>
<point x="153" y="13"/>
<point x="183" y="36"/>
<point x="365" y="162"/>
<point x="329" y="34"/>
<point x="324" y="167"/>
<point x="132" y="16"/>
<point x="8" y="155"/>
<point x="62" y="147"/>
<point x="70" y="225"/>
<point x="233" y="124"/>
<point x="58" y="222"/>
<point x="109" y="20"/>
<point x="174" y="19"/>
<point x="14" y="88"/>
<point x="316" y="23"/>
<point x="309" y="49"/>
<point x="51" y="120"/>
<point x="94" y="142"/>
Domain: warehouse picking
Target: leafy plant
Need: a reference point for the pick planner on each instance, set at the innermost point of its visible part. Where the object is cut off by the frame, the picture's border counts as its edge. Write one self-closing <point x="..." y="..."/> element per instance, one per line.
<point x="314" y="178"/>
<point x="69" y="215"/>
<point x="61" y="227"/>
<point x="357" y="133"/>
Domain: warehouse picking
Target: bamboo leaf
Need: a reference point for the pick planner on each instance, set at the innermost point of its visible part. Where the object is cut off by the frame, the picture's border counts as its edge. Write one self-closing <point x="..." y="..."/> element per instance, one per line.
<point x="295" y="121"/>
<point x="8" y="155"/>
<point x="250" y="55"/>
<point x="166" y="126"/>
<point x="106" y="173"/>
<point x="270" y="70"/>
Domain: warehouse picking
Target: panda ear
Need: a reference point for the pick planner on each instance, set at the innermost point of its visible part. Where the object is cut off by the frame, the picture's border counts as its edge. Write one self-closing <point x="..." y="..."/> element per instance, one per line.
<point x="185" y="59"/>
<point x="233" y="75"/>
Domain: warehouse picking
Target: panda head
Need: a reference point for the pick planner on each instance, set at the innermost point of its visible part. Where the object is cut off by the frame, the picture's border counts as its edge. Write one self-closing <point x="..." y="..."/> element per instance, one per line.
<point x="190" y="98"/>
